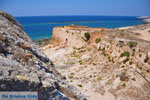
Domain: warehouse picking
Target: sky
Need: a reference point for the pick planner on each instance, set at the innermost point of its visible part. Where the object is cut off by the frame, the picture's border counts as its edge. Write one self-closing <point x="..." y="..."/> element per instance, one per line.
<point x="76" y="7"/>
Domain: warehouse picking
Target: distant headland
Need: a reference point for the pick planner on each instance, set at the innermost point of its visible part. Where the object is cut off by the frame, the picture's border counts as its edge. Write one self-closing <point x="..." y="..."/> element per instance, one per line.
<point x="146" y="19"/>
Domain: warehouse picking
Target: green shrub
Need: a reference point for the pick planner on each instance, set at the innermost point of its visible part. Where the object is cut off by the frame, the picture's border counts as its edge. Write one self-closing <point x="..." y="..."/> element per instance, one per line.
<point x="133" y="79"/>
<point x="70" y="77"/>
<point x="80" y="61"/>
<point x="89" y="49"/>
<point x="67" y="31"/>
<point x="78" y="48"/>
<point x="130" y="63"/>
<point x="97" y="40"/>
<point x="122" y="66"/>
<point x="79" y="85"/>
<point x="122" y="30"/>
<point x="132" y="44"/>
<point x="124" y="84"/>
<point x="87" y="36"/>
<point x="146" y="59"/>
<point x="125" y="53"/>
<point x="70" y="25"/>
<point x="100" y="49"/>
<point x="109" y="58"/>
<point x="71" y="80"/>
<point x="94" y="64"/>
<point x="72" y="33"/>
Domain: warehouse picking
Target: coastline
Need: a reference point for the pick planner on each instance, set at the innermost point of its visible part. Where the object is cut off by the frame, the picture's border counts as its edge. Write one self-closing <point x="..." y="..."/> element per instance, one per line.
<point x="43" y="42"/>
<point x="75" y="50"/>
<point x="41" y="27"/>
<point x="78" y="63"/>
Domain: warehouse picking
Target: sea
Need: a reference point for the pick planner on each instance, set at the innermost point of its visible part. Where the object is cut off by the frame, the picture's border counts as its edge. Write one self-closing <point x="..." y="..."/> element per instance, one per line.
<point x="40" y="27"/>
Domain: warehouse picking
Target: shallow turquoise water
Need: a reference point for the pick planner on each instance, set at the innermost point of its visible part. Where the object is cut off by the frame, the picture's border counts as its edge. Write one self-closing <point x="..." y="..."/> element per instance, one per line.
<point x="40" y="27"/>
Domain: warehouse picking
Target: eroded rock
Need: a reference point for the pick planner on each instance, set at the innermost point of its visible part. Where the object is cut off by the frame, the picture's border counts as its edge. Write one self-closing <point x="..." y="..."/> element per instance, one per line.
<point x="24" y="67"/>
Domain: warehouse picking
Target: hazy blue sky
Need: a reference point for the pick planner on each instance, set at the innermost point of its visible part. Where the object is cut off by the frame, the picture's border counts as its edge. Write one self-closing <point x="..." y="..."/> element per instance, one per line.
<point x="76" y="7"/>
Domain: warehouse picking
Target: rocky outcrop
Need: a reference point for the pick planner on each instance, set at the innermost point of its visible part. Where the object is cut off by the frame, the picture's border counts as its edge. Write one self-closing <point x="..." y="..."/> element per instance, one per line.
<point x="24" y="67"/>
<point x="113" y="65"/>
<point x="10" y="18"/>
<point x="69" y="37"/>
<point x="73" y="35"/>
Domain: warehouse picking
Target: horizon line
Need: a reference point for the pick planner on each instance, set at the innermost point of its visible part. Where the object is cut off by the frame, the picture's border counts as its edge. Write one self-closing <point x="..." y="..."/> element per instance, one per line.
<point x="75" y="15"/>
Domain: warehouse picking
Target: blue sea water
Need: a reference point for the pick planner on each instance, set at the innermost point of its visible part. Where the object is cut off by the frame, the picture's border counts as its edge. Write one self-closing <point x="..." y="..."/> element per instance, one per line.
<point x="40" y="27"/>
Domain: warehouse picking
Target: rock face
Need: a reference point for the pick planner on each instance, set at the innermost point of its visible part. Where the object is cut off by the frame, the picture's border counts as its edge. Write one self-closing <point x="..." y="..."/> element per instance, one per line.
<point x="113" y="65"/>
<point x="23" y="67"/>
<point x="73" y="35"/>
<point x="68" y="37"/>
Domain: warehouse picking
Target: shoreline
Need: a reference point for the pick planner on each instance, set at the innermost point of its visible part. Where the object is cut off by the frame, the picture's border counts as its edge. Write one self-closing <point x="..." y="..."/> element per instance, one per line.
<point x="39" y="29"/>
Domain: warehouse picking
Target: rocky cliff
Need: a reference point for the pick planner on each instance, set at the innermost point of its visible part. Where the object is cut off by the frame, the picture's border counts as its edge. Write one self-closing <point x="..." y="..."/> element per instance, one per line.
<point x="73" y="35"/>
<point x="24" y="67"/>
<point x="111" y="65"/>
